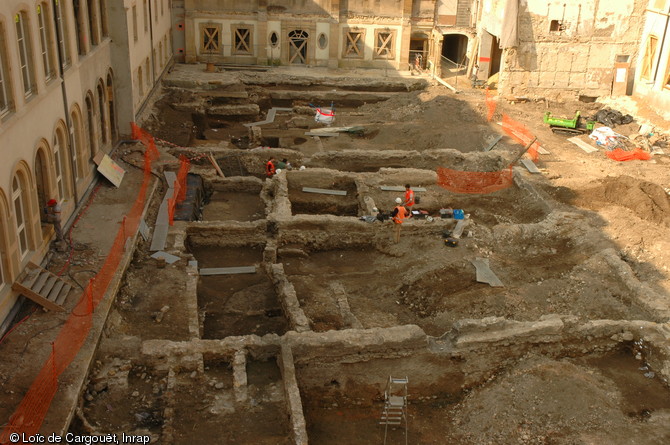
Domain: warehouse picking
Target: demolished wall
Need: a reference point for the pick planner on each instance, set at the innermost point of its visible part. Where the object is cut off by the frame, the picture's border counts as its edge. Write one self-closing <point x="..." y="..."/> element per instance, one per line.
<point x="566" y="49"/>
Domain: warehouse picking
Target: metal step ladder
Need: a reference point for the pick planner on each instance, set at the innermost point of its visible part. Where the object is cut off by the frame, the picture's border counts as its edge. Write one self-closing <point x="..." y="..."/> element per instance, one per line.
<point x="43" y="287"/>
<point x="395" y="405"/>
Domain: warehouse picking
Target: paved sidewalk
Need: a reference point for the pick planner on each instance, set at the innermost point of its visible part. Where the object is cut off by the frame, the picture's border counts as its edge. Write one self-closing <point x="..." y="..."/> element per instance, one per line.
<point x="26" y="348"/>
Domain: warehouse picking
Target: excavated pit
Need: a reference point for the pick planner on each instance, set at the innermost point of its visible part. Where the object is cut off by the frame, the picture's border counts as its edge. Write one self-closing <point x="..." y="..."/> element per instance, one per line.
<point x="237" y="304"/>
<point x="304" y="346"/>
<point x="343" y="402"/>
<point x="259" y="416"/>
<point x="320" y="203"/>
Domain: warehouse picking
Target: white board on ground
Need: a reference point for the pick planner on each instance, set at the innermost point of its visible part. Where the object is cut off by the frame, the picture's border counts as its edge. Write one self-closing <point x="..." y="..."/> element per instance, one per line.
<point x="583" y="145"/>
<point x="111" y="170"/>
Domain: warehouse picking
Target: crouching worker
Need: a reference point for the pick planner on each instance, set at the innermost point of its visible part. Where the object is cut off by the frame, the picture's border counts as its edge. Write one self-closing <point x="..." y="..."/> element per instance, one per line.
<point x="53" y="217"/>
<point x="270" y="167"/>
<point x="398" y="215"/>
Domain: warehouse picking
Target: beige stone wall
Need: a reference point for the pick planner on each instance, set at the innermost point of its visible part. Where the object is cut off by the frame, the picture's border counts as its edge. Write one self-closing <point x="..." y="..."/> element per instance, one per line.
<point x="321" y="18"/>
<point x="655" y="88"/>
<point x="566" y="48"/>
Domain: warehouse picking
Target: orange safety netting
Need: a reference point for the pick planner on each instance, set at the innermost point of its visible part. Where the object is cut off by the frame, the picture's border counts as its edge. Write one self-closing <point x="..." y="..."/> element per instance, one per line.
<point x="487" y="182"/>
<point x="622" y="155"/>
<point x="179" y="187"/>
<point x="490" y="105"/>
<point x="474" y="182"/>
<point x="30" y="413"/>
<point x="522" y="135"/>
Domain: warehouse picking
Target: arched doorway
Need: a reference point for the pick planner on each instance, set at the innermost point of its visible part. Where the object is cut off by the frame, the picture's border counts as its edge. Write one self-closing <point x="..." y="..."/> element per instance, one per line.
<point x="418" y="50"/>
<point x="297" y="48"/>
<point x="454" y="48"/>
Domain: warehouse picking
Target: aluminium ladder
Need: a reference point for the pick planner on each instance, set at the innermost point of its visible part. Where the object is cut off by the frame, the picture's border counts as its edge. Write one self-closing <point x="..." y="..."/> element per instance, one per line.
<point x="395" y="405"/>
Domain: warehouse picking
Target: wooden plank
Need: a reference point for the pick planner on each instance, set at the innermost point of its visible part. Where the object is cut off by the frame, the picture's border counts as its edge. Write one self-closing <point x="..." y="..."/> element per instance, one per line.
<point x="227" y="270"/>
<point x="324" y="191"/>
<point x="60" y="300"/>
<point x="37" y="298"/>
<point x="329" y="135"/>
<point x="494" y="143"/>
<point x="170" y="177"/>
<point x="583" y="145"/>
<point x="31" y="276"/>
<point x="530" y="165"/>
<point x="166" y="256"/>
<point x="159" y="238"/>
<point x="399" y="188"/>
<point x="55" y="291"/>
<point x="484" y="272"/>
<point x="48" y="286"/>
<point x="40" y="282"/>
<point x="212" y="159"/>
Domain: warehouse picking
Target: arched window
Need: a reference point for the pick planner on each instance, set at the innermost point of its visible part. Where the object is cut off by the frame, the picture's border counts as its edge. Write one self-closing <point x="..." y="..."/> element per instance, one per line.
<point x="111" y="116"/>
<point x="90" y="124"/>
<point x="6" y="103"/>
<point x="102" y="7"/>
<point x="93" y="22"/>
<point x="20" y="208"/>
<point x="42" y="175"/>
<point x="4" y="259"/>
<point x="77" y="146"/>
<point x="79" y="27"/>
<point x="3" y="250"/>
<point x="46" y="41"/>
<point x="103" y="113"/>
<point x="140" y="81"/>
<point x="59" y="166"/>
<point x="61" y="27"/>
<point x="25" y="53"/>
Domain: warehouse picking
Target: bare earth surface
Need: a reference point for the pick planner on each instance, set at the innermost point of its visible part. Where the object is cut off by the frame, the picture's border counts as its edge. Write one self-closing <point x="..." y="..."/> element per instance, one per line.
<point x="553" y="251"/>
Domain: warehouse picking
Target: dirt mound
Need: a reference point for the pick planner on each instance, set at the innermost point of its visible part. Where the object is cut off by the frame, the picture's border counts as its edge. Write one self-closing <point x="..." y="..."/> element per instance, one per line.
<point x="647" y="200"/>
<point x="545" y="401"/>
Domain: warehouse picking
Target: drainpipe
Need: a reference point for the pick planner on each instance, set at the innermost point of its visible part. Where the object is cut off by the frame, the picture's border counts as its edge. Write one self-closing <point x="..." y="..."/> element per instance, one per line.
<point x="151" y="46"/>
<point x="660" y="51"/>
<point x="68" y="123"/>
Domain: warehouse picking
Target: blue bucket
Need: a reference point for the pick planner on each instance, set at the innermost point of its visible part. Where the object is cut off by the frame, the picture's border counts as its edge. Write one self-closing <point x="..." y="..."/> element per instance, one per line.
<point x="459" y="214"/>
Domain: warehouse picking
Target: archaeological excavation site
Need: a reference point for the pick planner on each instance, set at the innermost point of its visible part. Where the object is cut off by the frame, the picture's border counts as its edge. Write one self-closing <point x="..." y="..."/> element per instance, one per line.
<point x="282" y="311"/>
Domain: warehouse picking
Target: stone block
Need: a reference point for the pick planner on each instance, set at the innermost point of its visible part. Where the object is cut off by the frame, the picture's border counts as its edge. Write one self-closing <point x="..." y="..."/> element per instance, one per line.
<point x="580" y="61"/>
<point x="563" y="59"/>
<point x="546" y="79"/>
<point x="577" y="79"/>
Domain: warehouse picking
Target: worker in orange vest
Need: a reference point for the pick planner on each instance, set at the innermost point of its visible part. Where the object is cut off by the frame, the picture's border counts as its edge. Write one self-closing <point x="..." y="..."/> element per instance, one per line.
<point x="270" y="167"/>
<point x="398" y="214"/>
<point x="409" y="197"/>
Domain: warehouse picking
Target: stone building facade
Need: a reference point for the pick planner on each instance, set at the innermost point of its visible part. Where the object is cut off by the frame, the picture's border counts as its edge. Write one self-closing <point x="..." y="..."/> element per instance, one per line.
<point x="345" y="33"/>
<point x="652" y="76"/>
<point x="562" y="48"/>
<point x="68" y="89"/>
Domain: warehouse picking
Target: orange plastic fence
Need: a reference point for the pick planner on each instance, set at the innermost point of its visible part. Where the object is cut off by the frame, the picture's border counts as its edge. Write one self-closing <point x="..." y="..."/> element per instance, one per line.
<point x="490" y="105"/>
<point x="521" y="134"/>
<point x="487" y="182"/>
<point x="182" y="174"/>
<point x="623" y="155"/>
<point x="474" y="182"/>
<point x="30" y="413"/>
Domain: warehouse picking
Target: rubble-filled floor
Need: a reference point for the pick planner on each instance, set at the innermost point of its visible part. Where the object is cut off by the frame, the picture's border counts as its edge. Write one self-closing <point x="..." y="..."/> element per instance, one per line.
<point x="573" y="348"/>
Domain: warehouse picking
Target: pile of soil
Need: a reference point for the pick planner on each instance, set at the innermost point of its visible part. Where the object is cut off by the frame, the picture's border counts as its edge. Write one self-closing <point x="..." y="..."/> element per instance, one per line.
<point x="545" y="401"/>
<point x="647" y="200"/>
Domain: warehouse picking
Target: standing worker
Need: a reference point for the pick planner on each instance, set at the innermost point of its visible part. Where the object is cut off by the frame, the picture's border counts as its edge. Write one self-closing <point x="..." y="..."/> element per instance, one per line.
<point x="270" y="167"/>
<point x="398" y="214"/>
<point x="53" y="216"/>
<point x="409" y="197"/>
